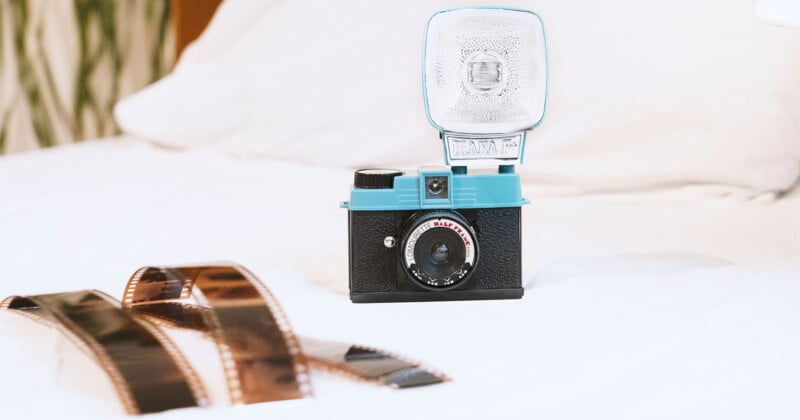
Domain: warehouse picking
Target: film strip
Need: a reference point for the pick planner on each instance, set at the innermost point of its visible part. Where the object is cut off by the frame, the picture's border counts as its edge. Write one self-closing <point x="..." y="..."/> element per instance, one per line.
<point x="142" y="363"/>
<point x="161" y="295"/>
<point x="368" y="364"/>
<point x="260" y="354"/>
<point x="263" y="360"/>
<point x="354" y="361"/>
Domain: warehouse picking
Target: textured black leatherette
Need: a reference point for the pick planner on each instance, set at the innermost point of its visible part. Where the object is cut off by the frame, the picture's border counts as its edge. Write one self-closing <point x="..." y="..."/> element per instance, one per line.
<point x="376" y="268"/>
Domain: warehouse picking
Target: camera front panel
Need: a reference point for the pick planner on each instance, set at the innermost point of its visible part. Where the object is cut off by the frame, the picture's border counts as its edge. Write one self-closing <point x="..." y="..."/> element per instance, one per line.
<point x="379" y="274"/>
<point x="373" y="265"/>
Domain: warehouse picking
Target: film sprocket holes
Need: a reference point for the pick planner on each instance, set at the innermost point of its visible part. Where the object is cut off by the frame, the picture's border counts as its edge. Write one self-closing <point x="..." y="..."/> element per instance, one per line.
<point x="445" y="234"/>
<point x="261" y="357"/>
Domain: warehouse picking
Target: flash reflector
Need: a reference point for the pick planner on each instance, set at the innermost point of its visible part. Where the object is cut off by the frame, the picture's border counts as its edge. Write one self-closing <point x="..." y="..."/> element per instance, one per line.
<point x="485" y="71"/>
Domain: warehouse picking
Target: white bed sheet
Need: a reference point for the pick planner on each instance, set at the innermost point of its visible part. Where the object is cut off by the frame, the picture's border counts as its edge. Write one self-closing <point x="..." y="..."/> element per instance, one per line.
<point x="647" y="306"/>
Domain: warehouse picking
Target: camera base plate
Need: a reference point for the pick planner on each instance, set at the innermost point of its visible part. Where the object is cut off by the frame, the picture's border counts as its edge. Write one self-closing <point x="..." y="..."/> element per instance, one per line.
<point x="427" y="296"/>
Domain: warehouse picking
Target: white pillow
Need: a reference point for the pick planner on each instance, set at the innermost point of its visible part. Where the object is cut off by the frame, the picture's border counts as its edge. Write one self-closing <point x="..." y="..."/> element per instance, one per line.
<point x="642" y="94"/>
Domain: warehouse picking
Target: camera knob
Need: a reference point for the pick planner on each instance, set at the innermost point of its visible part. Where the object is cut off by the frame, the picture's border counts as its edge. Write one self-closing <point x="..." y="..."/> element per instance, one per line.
<point x="375" y="178"/>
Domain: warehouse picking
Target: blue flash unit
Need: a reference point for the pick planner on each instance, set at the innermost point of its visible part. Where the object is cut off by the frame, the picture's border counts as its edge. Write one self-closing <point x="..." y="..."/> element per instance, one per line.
<point x="445" y="233"/>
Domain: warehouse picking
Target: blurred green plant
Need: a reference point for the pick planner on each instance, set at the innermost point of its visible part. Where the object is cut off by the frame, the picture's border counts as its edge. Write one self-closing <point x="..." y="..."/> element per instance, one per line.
<point x="104" y="31"/>
<point x="158" y="11"/>
<point x="5" y="115"/>
<point x="27" y="79"/>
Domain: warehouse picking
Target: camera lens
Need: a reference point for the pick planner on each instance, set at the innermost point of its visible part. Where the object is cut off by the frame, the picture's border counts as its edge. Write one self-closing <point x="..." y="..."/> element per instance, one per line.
<point x="439" y="249"/>
<point x="440" y="253"/>
<point x="435" y="187"/>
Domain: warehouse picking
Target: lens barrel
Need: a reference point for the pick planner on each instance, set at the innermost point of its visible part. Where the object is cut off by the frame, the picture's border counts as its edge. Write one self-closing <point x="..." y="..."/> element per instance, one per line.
<point x="439" y="249"/>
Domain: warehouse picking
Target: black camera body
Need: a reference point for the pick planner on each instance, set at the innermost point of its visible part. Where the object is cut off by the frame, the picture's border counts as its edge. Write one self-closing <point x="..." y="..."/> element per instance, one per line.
<point x="409" y="240"/>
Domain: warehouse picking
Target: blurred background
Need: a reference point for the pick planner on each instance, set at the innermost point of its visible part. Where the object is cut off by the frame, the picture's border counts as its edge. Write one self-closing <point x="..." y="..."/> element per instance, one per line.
<point x="661" y="248"/>
<point x="64" y="64"/>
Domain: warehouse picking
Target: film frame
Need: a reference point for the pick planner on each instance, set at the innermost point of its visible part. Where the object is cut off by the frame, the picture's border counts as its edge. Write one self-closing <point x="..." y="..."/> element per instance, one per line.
<point x="263" y="360"/>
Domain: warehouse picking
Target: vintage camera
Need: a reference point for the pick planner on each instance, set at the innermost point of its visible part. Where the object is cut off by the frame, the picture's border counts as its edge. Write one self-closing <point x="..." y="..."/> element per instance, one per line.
<point x="446" y="233"/>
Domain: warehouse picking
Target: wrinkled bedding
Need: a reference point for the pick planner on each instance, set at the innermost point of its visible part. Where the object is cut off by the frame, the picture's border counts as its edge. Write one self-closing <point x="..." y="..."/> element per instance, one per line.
<point x="657" y="305"/>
